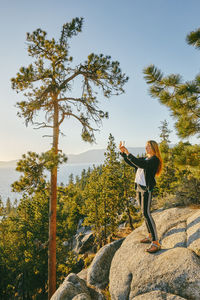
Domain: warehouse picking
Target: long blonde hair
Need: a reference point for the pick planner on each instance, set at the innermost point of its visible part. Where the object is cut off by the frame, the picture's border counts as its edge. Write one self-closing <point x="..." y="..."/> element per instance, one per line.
<point x="156" y="152"/>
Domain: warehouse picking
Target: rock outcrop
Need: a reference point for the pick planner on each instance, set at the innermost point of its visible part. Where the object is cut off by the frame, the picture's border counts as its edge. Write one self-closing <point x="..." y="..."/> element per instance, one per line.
<point x="158" y="295"/>
<point x="82" y="296"/>
<point x="193" y="233"/>
<point x="84" y="239"/>
<point x="75" y="288"/>
<point x="70" y="288"/>
<point x="98" y="272"/>
<point x="84" y="242"/>
<point x="172" y="273"/>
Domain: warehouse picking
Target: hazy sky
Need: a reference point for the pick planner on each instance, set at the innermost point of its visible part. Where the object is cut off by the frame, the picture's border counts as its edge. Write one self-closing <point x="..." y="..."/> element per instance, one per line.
<point x="137" y="33"/>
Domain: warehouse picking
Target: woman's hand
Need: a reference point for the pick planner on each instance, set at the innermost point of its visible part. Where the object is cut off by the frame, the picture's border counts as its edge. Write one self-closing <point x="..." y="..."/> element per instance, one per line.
<point x="123" y="148"/>
<point x="120" y="146"/>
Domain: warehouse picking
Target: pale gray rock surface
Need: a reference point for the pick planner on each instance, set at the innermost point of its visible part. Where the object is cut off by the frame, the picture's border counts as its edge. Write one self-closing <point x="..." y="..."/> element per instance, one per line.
<point x="84" y="239"/>
<point x="158" y="295"/>
<point x="82" y="296"/>
<point x="193" y="232"/>
<point x="174" y="270"/>
<point x="175" y="237"/>
<point x="169" y="218"/>
<point x="98" y="272"/>
<point x="83" y="242"/>
<point x="95" y="293"/>
<point x="83" y="274"/>
<point x="71" y="287"/>
<point x="173" y="273"/>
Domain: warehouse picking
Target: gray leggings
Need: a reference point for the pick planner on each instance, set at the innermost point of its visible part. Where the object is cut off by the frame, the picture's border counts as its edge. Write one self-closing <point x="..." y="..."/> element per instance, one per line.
<point x="144" y="198"/>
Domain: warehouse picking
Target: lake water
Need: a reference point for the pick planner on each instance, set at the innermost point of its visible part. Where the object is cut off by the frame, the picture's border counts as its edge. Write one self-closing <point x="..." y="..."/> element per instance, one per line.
<point x="9" y="175"/>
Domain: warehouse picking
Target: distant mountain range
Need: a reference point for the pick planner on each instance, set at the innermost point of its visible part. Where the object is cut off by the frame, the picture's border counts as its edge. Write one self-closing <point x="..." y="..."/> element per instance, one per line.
<point x="90" y="156"/>
<point x="97" y="156"/>
<point x="8" y="164"/>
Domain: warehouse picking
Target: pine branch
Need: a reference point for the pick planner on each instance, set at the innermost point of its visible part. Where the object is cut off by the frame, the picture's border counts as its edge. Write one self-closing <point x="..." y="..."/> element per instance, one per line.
<point x="42" y="125"/>
<point x="152" y="74"/>
<point x="70" y="29"/>
<point x="193" y="38"/>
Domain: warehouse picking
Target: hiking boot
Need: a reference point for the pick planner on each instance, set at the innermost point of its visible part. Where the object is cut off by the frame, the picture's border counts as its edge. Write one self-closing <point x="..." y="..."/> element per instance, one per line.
<point x="155" y="247"/>
<point x="146" y="240"/>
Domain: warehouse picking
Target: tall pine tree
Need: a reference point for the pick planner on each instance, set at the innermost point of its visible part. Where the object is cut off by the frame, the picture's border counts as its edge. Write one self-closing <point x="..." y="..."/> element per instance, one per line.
<point x="47" y="86"/>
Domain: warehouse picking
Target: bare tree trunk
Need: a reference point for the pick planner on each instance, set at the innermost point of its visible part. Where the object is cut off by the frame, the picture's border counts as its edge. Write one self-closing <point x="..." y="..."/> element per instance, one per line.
<point x="127" y="203"/>
<point x="130" y="219"/>
<point x="128" y="210"/>
<point x="105" y="224"/>
<point x="52" y="212"/>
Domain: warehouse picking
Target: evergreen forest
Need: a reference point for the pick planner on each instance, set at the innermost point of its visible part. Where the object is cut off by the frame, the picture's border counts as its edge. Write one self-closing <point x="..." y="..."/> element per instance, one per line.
<point x="37" y="232"/>
<point x="102" y="198"/>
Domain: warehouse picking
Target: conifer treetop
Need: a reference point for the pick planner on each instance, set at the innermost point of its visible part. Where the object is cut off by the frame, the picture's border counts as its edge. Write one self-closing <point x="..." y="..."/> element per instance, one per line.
<point x="51" y="76"/>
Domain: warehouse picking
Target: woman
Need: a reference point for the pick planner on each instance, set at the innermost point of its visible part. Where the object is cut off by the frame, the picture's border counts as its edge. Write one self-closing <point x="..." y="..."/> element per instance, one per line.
<point x="146" y="170"/>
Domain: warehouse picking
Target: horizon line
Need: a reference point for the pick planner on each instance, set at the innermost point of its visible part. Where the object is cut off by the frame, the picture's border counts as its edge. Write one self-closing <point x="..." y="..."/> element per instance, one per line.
<point x="15" y="159"/>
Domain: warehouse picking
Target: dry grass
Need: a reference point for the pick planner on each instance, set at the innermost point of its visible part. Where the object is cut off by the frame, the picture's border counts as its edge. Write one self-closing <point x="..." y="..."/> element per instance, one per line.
<point x="88" y="258"/>
<point x="194" y="206"/>
<point x="106" y="293"/>
<point x="123" y="232"/>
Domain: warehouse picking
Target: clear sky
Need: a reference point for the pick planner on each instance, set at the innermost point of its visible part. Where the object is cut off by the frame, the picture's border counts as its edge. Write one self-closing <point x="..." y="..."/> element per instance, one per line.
<point x="137" y="33"/>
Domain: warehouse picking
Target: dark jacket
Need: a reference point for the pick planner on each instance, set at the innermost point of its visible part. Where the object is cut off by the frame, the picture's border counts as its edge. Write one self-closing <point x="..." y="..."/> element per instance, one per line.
<point x="150" y="166"/>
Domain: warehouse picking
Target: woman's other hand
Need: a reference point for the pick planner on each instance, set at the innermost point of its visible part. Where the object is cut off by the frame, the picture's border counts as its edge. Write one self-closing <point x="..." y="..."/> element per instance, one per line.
<point x="122" y="148"/>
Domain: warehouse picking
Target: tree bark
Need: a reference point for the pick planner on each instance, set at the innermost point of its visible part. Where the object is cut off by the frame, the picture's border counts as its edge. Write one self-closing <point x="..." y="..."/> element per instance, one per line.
<point x="105" y="225"/>
<point x="52" y="211"/>
<point x="128" y="210"/>
<point x="130" y="219"/>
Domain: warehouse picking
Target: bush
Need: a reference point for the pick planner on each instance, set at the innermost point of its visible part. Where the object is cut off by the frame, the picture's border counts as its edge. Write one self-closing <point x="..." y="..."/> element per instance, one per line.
<point x="188" y="192"/>
<point x="88" y="259"/>
<point x="166" y="201"/>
